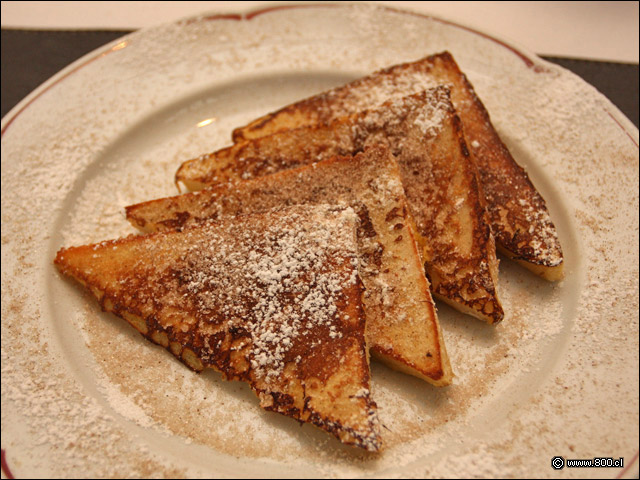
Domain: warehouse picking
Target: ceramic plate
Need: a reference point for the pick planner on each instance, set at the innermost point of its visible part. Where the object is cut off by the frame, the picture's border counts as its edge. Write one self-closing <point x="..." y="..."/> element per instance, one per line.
<point x="83" y="395"/>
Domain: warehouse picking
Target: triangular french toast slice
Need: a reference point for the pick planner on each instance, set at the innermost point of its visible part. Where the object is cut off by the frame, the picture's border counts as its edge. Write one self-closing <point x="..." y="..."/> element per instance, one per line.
<point x="518" y="214"/>
<point x="272" y="299"/>
<point x="439" y="178"/>
<point x="402" y="325"/>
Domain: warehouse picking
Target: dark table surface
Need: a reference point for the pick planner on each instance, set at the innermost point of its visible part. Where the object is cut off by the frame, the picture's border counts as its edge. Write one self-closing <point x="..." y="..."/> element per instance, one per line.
<point x="30" y="57"/>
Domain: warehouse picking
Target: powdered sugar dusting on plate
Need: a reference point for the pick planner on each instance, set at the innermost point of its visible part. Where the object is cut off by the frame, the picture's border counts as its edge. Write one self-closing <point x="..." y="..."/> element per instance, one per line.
<point x="562" y="351"/>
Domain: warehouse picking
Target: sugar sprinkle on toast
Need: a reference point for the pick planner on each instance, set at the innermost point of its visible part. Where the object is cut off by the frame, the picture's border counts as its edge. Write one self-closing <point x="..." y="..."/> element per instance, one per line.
<point x="272" y="299"/>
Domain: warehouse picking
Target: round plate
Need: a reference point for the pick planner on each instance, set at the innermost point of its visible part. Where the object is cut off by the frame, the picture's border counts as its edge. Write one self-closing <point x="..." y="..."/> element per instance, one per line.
<point x="85" y="395"/>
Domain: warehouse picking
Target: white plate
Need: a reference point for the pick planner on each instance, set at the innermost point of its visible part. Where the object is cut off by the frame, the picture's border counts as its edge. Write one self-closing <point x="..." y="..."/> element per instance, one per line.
<point x="83" y="395"/>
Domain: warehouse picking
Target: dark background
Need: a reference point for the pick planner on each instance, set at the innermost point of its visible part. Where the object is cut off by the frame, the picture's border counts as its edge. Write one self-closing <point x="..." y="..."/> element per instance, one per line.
<point x="30" y="57"/>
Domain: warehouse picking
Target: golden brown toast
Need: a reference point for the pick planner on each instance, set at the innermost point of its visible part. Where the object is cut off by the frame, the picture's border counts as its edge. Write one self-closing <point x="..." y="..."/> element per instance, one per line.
<point x="402" y="325"/>
<point x="518" y="214"/>
<point x="439" y="178"/>
<point x="271" y="299"/>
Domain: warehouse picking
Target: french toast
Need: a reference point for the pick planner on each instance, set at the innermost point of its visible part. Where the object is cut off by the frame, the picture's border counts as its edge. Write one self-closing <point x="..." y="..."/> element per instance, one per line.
<point x="272" y="299"/>
<point x="444" y="196"/>
<point x="402" y="325"/>
<point x="518" y="214"/>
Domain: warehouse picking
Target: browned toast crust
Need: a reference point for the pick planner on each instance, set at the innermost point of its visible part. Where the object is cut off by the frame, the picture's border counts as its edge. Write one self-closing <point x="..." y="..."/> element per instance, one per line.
<point x="518" y="214"/>
<point x="273" y="300"/>
<point x="402" y="324"/>
<point x="438" y="175"/>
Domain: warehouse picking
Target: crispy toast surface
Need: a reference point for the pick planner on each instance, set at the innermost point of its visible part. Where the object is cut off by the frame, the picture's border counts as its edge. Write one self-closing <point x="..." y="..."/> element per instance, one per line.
<point x="271" y="299"/>
<point x="402" y="324"/>
<point x="519" y="218"/>
<point x="438" y="175"/>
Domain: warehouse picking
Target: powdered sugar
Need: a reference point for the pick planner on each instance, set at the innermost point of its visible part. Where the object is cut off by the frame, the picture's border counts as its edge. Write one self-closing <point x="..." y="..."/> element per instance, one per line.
<point x="545" y="242"/>
<point x="430" y="118"/>
<point x="251" y="280"/>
